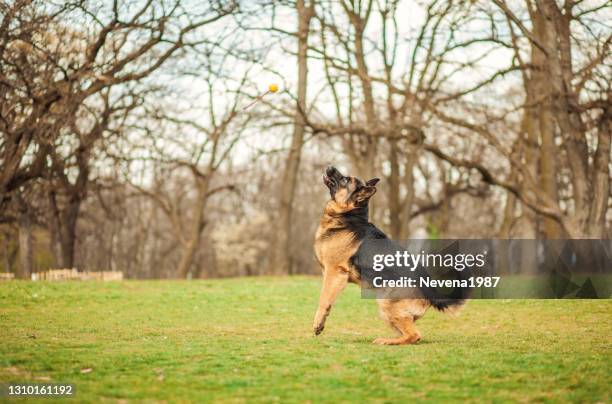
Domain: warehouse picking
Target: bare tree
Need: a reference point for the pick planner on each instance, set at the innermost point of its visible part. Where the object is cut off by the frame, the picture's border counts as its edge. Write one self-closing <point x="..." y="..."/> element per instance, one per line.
<point x="50" y="69"/>
<point x="279" y="260"/>
<point x="195" y="156"/>
<point x="569" y="107"/>
<point x="54" y="78"/>
<point x="381" y="108"/>
<point x="122" y="127"/>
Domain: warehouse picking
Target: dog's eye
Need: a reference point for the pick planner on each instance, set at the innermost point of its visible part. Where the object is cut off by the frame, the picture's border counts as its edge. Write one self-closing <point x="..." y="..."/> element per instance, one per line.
<point x="344" y="180"/>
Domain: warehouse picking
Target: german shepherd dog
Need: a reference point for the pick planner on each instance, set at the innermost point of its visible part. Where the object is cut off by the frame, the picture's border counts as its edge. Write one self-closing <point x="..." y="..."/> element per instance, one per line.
<point x="343" y="228"/>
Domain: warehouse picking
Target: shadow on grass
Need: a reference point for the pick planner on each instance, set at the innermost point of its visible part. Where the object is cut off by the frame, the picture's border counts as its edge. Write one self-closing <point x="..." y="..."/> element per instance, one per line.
<point x="369" y="340"/>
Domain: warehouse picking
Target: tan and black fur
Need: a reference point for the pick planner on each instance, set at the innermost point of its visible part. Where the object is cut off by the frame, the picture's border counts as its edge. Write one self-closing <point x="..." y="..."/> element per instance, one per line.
<point x="343" y="227"/>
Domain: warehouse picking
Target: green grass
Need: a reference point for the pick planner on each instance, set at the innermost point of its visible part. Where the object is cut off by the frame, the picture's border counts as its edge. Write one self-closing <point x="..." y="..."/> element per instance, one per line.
<point x="250" y="339"/>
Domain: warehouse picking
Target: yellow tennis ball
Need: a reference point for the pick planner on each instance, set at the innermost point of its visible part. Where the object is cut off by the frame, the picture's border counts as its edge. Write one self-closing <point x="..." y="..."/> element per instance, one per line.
<point x="273" y="88"/>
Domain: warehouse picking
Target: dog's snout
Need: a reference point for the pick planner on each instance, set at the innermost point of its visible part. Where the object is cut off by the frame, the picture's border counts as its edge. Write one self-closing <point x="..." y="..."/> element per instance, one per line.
<point x="330" y="171"/>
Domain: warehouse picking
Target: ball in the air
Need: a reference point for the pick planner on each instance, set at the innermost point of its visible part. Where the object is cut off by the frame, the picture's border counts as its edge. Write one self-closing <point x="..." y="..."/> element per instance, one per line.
<point x="273" y="88"/>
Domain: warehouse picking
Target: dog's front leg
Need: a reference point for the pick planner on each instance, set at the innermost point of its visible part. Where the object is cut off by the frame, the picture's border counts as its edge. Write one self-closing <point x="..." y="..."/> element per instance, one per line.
<point x="334" y="281"/>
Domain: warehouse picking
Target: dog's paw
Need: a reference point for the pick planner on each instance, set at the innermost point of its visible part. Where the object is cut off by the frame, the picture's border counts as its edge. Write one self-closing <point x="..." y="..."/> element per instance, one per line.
<point x="318" y="329"/>
<point x="397" y="341"/>
<point x="383" y="341"/>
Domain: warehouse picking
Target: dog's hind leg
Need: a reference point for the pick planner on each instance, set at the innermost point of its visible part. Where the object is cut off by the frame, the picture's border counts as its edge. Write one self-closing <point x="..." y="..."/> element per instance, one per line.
<point x="334" y="281"/>
<point x="399" y="315"/>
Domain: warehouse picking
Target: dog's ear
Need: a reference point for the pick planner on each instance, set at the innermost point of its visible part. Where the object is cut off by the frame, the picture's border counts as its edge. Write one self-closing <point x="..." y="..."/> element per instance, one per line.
<point x="372" y="182"/>
<point x="365" y="193"/>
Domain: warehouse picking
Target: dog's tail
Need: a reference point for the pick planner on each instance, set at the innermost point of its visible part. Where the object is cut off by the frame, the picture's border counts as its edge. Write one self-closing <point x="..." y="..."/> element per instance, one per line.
<point x="446" y="304"/>
<point x="448" y="299"/>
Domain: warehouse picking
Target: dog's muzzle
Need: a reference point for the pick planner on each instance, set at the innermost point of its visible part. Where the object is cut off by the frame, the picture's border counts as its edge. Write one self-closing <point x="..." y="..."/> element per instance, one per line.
<point x="332" y="177"/>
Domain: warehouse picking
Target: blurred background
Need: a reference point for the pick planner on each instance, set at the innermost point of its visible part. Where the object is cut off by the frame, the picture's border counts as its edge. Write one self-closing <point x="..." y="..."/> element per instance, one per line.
<point x="126" y="146"/>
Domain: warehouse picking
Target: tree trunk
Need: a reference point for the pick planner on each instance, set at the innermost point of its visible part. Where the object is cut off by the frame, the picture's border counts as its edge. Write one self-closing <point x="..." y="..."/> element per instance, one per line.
<point x="10" y="251"/>
<point x="395" y="214"/>
<point x="540" y="92"/>
<point x="505" y="230"/>
<point x="548" y="168"/>
<point x="53" y="223"/>
<point x="187" y="258"/>
<point x="502" y="257"/>
<point x="531" y="153"/>
<point x="62" y="227"/>
<point x="196" y="226"/>
<point x="601" y="177"/>
<point x="411" y="159"/>
<point x="280" y="259"/>
<point x="525" y="259"/>
<point x="69" y="223"/>
<point x="566" y="109"/>
<point x="368" y="145"/>
<point x="25" y="246"/>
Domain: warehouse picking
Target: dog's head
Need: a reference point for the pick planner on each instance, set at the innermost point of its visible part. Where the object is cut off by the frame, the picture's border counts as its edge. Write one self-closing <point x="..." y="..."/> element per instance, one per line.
<point x="348" y="193"/>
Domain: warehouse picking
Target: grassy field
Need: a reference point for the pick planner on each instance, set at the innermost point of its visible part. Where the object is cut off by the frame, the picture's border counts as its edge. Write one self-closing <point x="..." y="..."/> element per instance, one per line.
<point x="251" y="340"/>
